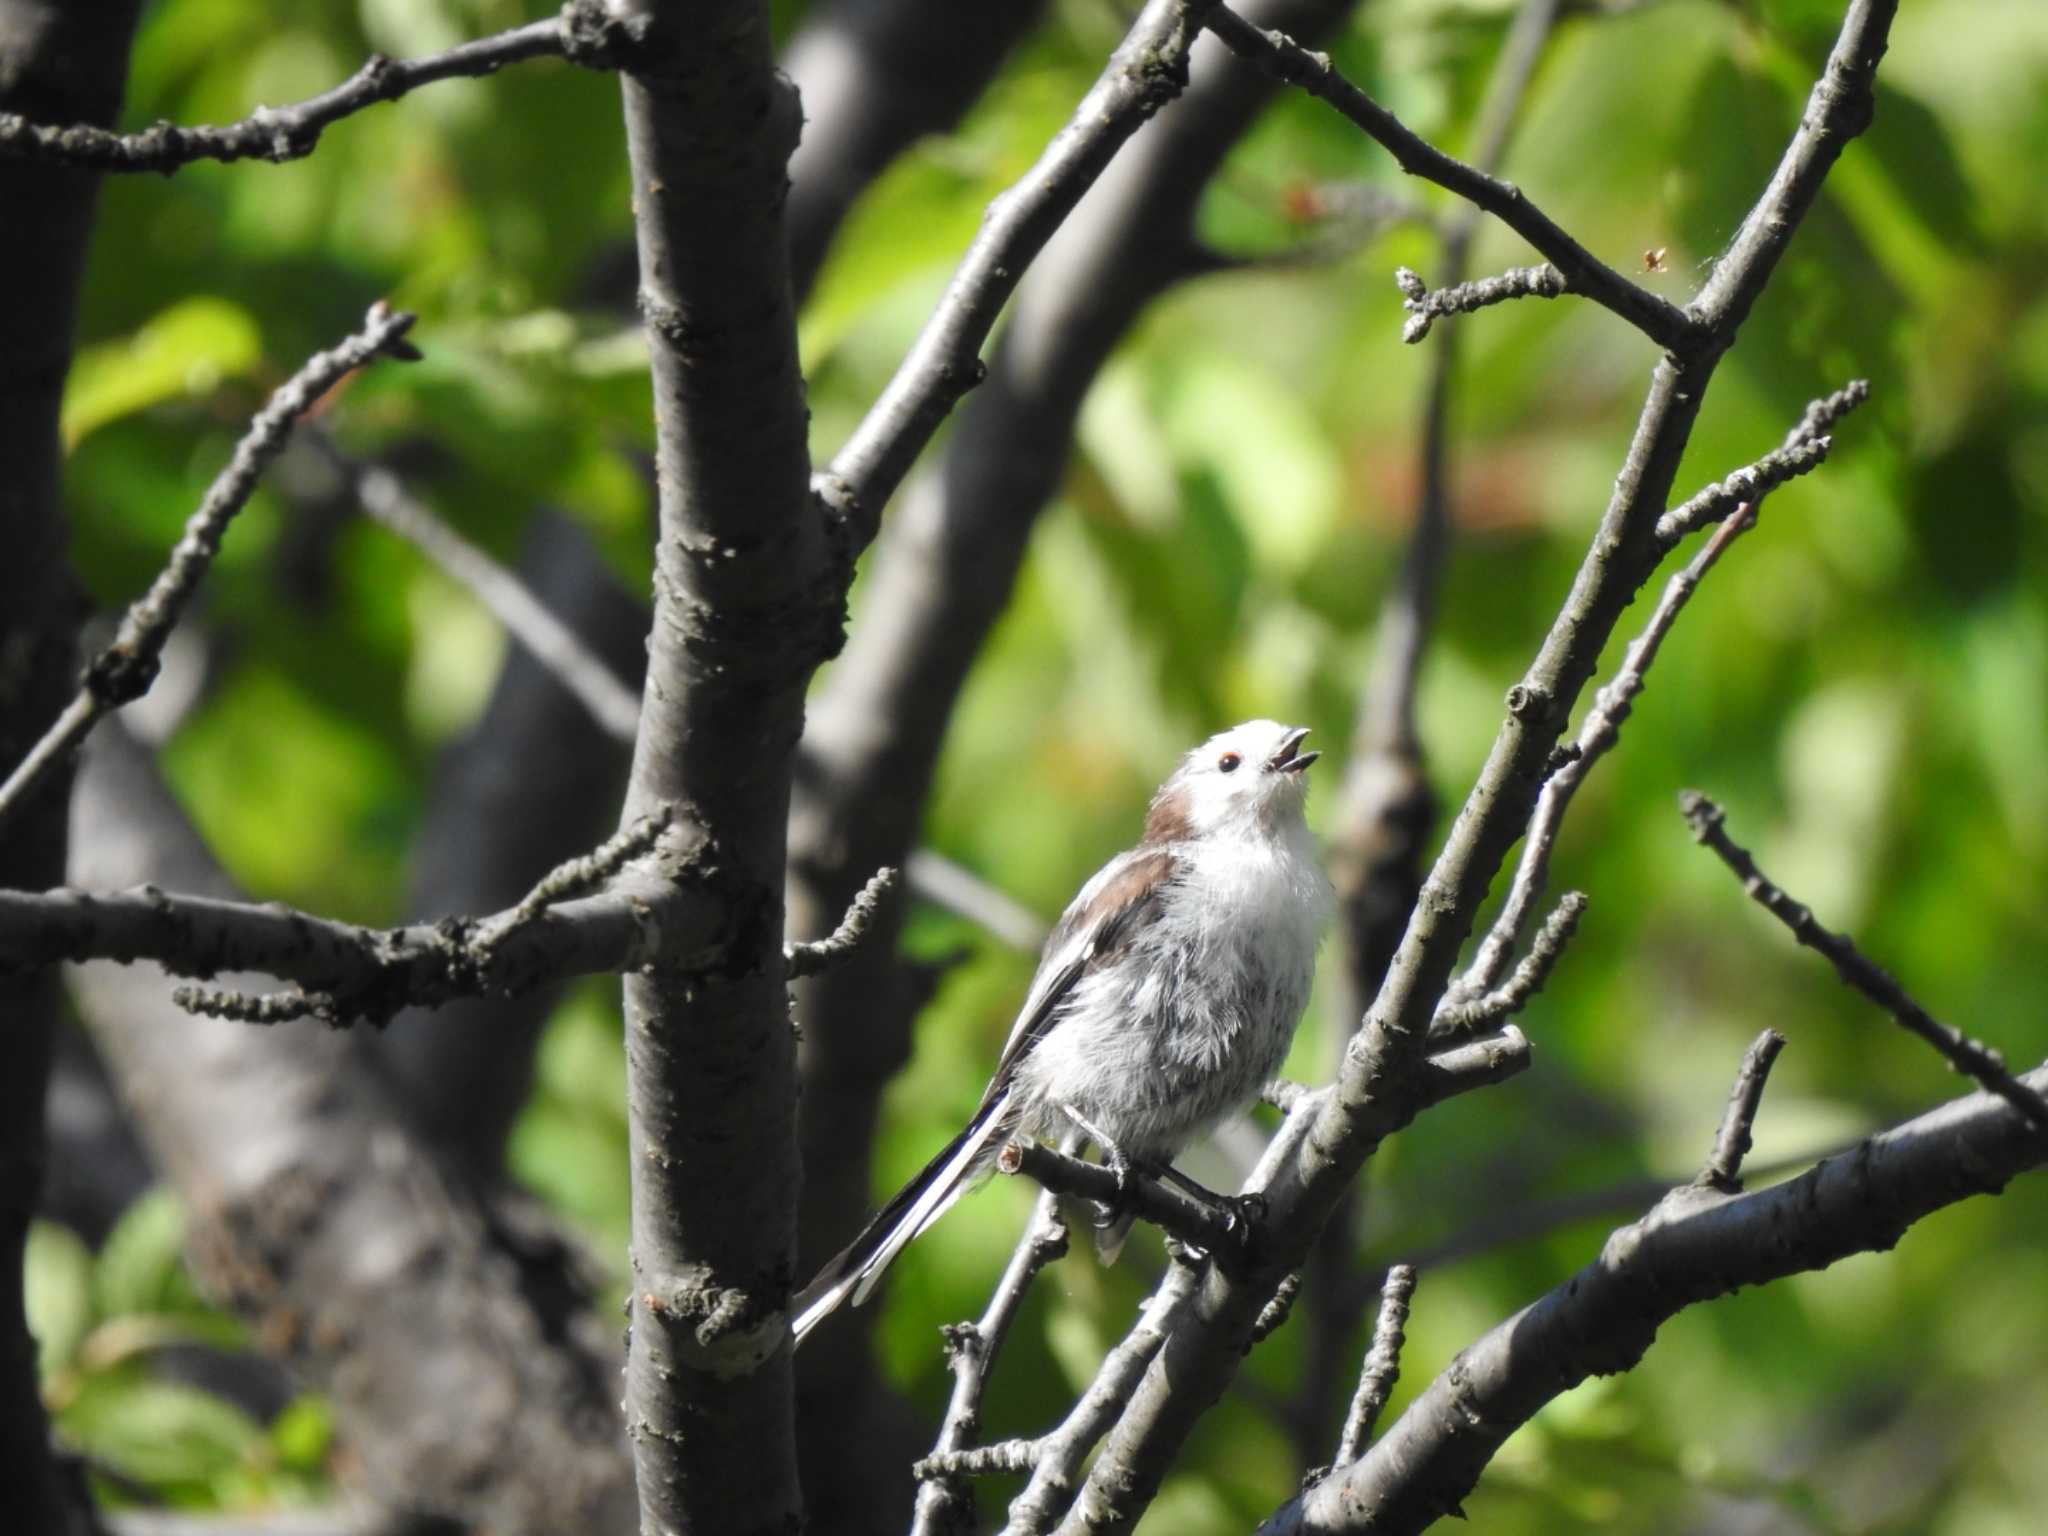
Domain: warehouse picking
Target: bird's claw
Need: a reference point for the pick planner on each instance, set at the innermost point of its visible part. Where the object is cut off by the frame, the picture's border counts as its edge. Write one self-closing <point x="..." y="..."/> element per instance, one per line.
<point x="1241" y="1213"/>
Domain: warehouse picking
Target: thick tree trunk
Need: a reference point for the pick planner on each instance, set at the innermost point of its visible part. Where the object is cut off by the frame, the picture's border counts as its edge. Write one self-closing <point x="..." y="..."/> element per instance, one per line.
<point x="60" y="61"/>
<point x="460" y="1387"/>
<point x="749" y="597"/>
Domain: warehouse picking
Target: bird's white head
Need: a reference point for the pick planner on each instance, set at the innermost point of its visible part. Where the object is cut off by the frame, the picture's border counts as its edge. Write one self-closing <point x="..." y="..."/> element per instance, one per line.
<point x="1248" y="779"/>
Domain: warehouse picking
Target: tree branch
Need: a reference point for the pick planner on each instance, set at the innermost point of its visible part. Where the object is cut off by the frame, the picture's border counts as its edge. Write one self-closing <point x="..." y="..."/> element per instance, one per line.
<point x="1426" y="305"/>
<point x="1457" y="1018"/>
<point x="937" y="581"/>
<point x="1805" y="446"/>
<point x="1696" y="1244"/>
<point x="1388" y="808"/>
<point x="123" y="672"/>
<point x="577" y="666"/>
<point x="853" y="930"/>
<point x="1382" y="1367"/>
<point x="1145" y="73"/>
<point x="365" y="973"/>
<point x="466" y="1074"/>
<point x="278" y="134"/>
<point x="1859" y="972"/>
<point x="944" y="1502"/>
<point x="1840" y="107"/>
<point x="318" y="1214"/>
<point x="875" y="76"/>
<point x="1378" y="1090"/>
<point x="1657" y="318"/>
<point x="749" y="597"/>
<point x="1745" y="488"/>
<point x="1723" y="1168"/>
<point x="1601" y="728"/>
<point x="1209" y="1227"/>
<point x="68" y="61"/>
<point x="1057" y="1457"/>
<point x="596" y="684"/>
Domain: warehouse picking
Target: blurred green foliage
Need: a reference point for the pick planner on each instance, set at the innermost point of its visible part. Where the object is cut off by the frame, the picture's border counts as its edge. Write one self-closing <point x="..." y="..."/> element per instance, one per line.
<point x="117" y="1334"/>
<point x="1864" y="682"/>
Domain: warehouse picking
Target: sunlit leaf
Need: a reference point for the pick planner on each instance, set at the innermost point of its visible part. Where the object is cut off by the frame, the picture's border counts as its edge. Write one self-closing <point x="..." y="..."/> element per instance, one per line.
<point x="184" y="353"/>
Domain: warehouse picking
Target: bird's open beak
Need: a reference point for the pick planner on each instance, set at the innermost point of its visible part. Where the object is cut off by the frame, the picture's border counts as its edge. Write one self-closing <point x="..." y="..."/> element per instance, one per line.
<point x="1290" y="758"/>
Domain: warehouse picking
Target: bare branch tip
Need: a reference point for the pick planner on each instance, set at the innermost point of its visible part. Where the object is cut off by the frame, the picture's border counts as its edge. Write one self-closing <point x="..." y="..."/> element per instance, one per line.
<point x="807" y="959"/>
<point x="260" y="1007"/>
<point x="1279" y="1309"/>
<point x="1382" y="1366"/>
<point x="1723" y="1168"/>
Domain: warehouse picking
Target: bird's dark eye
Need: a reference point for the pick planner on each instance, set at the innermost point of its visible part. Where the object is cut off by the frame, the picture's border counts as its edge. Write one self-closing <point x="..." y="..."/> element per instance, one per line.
<point x="1229" y="762"/>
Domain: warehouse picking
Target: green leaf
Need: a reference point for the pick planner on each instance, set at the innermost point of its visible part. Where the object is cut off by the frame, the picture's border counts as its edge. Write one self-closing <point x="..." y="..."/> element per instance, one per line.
<point x="139" y="1265"/>
<point x="57" y="1279"/>
<point x="302" y="1433"/>
<point x="160" y="1432"/>
<point x="183" y="353"/>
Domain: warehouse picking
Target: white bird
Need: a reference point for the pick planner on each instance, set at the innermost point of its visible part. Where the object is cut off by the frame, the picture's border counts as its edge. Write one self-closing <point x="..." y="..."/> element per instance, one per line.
<point x="1165" y="998"/>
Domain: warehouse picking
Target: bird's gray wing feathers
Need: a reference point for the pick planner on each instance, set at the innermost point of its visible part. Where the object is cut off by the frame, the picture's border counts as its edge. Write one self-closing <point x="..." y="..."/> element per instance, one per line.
<point x="1123" y="899"/>
<point x="1126" y="896"/>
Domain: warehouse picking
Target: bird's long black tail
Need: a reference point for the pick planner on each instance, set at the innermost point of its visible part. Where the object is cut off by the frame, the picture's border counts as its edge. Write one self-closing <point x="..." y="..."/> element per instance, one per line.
<point x="914" y="1207"/>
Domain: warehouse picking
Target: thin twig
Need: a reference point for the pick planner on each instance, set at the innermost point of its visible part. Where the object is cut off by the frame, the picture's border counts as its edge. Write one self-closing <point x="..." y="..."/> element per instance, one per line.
<point x="123" y="672"/>
<point x="1279" y="1309"/>
<point x="1426" y="305"/>
<point x="582" y="873"/>
<point x="258" y="1008"/>
<point x="1745" y="488"/>
<point x="1382" y="1368"/>
<point x="1601" y="728"/>
<point x="278" y="134"/>
<point x="1214" y="1228"/>
<point x="1388" y="811"/>
<point x="368" y="973"/>
<point x="1513" y="995"/>
<point x="1058" y="1456"/>
<point x="1146" y="72"/>
<point x="558" y="648"/>
<point x="1694" y="1245"/>
<point x="1967" y="1056"/>
<point x="950" y="885"/>
<point x="948" y="1468"/>
<point x="1659" y="319"/>
<point x="1723" y="1168"/>
<point x="810" y="958"/>
<point x="608" y="699"/>
<point x="1284" y="1094"/>
<point x="944" y="1503"/>
<point x="1380" y="1086"/>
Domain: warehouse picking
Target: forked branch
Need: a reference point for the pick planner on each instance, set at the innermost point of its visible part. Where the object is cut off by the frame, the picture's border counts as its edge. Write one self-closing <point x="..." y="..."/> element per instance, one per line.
<point x="1967" y="1056"/>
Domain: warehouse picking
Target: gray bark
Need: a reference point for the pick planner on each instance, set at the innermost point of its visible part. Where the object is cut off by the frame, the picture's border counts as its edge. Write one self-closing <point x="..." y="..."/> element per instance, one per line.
<point x="65" y="61"/>
<point x="314" y="1213"/>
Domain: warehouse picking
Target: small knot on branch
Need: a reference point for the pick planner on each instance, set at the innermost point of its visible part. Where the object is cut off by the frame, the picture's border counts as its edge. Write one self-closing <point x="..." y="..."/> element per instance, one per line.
<point x="593" y="38"/>
<point x="1284" y="1094"/>
<point x="121" y="674"/>
<point x="1701" y="814"/>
